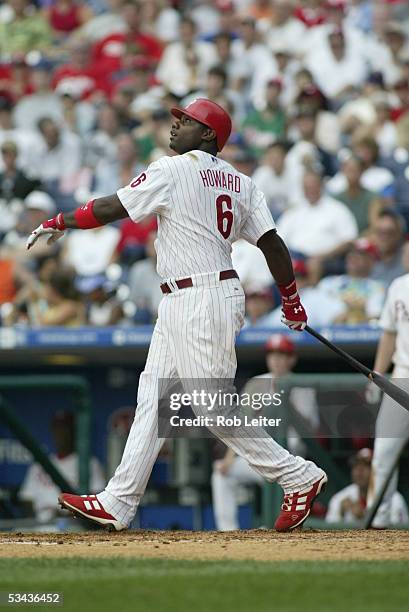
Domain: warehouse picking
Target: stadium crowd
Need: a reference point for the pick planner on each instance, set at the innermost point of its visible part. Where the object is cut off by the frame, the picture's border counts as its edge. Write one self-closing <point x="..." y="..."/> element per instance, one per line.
<point x="319" y="94"/>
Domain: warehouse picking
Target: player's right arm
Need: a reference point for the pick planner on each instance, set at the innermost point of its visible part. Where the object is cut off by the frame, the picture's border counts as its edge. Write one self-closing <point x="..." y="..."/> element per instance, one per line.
<point x="387" y="342"/>
<point x="93" y="214"/>
<point x="384" y="352"/>
<point x="147" y="194"/>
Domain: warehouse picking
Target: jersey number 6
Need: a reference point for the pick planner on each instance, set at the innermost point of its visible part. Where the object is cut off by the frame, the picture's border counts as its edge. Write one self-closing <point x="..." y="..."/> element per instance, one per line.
<point x="224" y="215"/>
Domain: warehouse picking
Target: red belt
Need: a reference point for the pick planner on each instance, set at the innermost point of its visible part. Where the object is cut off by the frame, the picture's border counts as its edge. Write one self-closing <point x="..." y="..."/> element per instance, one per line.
<point x="184" y="283"/>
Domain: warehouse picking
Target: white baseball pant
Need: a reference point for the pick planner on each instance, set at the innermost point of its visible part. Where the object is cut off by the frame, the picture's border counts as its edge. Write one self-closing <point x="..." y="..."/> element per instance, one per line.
<point x="194" y="338"/>
<point x="392" y="433"/>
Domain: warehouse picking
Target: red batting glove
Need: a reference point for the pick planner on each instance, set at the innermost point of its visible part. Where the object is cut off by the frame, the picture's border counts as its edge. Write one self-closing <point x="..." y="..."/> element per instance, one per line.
<point x="53" y="228"/>
<point x="294" y="315"/>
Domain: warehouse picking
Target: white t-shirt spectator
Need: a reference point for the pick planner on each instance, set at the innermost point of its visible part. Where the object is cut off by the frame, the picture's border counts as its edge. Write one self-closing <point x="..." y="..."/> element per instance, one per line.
<point x="175" y="73"/>
<point x="90" y="252"/>
<point x="322" y="309"/>
<point x="372" y="291"/>
<point x="399" y="509"/>
<point x="395" y="318"/>
<point x="61" y="163"/>
<point x="251" y="266"/>
<point x="318" y="229"/>
<point x="374" y="179"/>
<point x="276" y="188"/>
<point x="288" y="35"/>
<point x="333" y="76"/>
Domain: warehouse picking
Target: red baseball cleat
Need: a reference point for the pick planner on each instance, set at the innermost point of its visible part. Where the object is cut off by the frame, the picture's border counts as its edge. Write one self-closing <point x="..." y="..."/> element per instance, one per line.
<point x="297" y="506"/>
<point x="89" y="507"/>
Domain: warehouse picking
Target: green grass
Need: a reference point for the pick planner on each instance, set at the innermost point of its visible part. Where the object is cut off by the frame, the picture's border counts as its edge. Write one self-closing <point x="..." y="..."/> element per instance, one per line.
<point x="160" y="585"/>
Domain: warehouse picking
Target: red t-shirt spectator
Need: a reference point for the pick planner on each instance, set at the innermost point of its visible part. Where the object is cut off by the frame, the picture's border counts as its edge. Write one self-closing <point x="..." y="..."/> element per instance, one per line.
<point x="110" y="51"/>
<point x="135" y="234"/>
<point x="82" y="82"/>
<point x="65" y="16"/>
<point x="310" y="16"/>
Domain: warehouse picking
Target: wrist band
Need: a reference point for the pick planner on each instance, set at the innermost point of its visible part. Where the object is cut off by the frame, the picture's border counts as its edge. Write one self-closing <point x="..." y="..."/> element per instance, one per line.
<point x="85" y="218"/>
<point x="289" y="291"/>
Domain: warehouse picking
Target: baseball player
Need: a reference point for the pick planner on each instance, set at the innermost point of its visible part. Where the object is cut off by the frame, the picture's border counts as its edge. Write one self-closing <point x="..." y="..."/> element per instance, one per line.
<point x="392" y="425"/>
<point x="232" y="471"/>
<point x="203" y="205"/>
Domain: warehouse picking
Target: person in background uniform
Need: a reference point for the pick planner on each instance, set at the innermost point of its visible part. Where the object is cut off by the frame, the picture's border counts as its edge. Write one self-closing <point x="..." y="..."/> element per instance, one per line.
<point x="349" y="504"/>
<point x="231" y="472"/>
<point x="392" y="424"/>
<point x="38" y="489"/>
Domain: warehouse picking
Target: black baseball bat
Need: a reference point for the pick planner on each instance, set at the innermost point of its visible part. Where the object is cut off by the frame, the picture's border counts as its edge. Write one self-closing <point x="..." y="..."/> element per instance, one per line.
<point x="380" y="381"/>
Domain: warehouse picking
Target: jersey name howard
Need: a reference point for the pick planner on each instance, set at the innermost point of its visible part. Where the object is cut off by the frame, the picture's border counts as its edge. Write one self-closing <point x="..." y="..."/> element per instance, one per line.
<point x="217" y="178"/>
<point x="202" y="205"/>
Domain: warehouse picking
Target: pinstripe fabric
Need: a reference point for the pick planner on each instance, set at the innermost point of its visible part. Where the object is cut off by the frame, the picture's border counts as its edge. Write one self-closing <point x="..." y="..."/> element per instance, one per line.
<point x="194" y="338"/>
<point x="203" y="206"/>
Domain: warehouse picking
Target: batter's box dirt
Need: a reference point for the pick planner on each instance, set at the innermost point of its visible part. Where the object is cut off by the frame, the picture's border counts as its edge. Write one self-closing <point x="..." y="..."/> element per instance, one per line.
<point x="259" y="545"/>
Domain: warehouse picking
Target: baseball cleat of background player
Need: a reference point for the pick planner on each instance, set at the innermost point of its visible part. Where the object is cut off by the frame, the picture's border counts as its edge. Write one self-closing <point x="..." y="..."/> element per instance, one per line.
<point x="297" y="506"/>
<point x="89" y="507"/>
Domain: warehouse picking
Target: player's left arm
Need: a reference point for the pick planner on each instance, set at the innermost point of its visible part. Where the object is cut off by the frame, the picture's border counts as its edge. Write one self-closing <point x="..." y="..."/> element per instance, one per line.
<point x="93" y="214"/>
<point x="279" y="262"/>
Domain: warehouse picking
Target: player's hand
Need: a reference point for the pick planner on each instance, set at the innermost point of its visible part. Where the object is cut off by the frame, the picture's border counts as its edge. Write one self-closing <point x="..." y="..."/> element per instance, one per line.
<point x="293" y="313"/>
<point x="373" y="393"/>
<point x="53" y="228"/>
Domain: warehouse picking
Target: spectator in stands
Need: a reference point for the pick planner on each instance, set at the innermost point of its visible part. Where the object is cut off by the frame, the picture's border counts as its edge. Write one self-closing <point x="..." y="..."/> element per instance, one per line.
<point x="102" y="306"/>
<point x="144" y="281"/>
<point x="274" y="179"/>
<point x="322" y="307"/>
<point x="89" y="253"/>
<point x="361" y="297"/>
<point x="185" y="64"/>
<point x="38" y="489"/>
<point x="306" y="152"/>
<point x="284" y="30"/>
<point x="255" y="57"/>
<point x="337" y="66"/>
<point x="105" y="23"/>
<point x="322" y="227"/>
<point x="260" y="301"/>
<point x="15" y="185"/>
<point x="26" y="30"/>
<point x="27" y="142"/>
<point x="102" y="144"/>
<point x="233" y="471"/>
<point x="348" y="505"/>
<point x="216" y="90"/>
<point x="36" y="206"/>
<point x="110" y="176"/>
<point x="362" y="203"/>
<point x="43" y="102"/>
<point x="82" y="76"/>
<point x="60" y="305"/>
<point x="388" y="236"/>
<point x="375" y="178"/>
<point x="161" y="20"/>
<point x="262" y="127"/>
<point x="229" y="57"/>
<point x="117" y="50"/>
<point x="66" y="16"/>
<point x="251" y="266"/>
<point x="58" y="161"/>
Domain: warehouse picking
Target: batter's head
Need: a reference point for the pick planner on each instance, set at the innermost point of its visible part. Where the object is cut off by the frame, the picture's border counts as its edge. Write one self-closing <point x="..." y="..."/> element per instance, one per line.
<point x="198" y="125"/>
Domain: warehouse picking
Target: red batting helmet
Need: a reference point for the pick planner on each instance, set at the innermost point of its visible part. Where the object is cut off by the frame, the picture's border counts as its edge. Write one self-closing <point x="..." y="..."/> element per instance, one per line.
<point x="209" y="113"/>
<point x="279" y="343"/>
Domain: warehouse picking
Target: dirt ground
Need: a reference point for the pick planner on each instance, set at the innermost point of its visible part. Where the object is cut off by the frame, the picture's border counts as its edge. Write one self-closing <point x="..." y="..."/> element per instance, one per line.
<point x="260" y="545"/>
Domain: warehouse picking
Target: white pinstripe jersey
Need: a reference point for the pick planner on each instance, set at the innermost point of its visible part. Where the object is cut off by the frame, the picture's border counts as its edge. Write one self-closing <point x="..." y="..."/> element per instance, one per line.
<point x="203" y="205"/>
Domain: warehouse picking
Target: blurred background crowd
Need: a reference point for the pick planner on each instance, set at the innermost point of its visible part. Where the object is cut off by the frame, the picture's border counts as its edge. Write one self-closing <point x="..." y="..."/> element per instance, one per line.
<point x="319" y="95"/>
